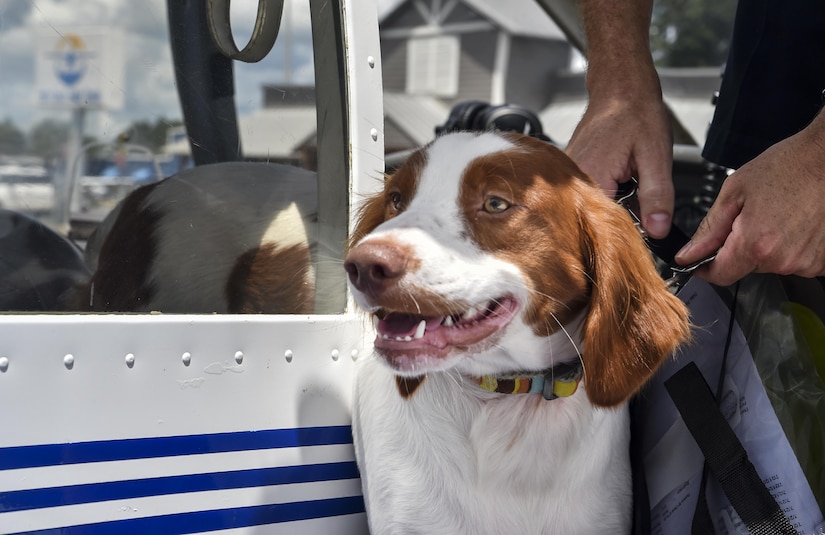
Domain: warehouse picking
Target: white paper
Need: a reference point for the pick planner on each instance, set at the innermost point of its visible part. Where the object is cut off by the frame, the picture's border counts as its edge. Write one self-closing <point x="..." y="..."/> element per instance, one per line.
<point x="673" y="462"/>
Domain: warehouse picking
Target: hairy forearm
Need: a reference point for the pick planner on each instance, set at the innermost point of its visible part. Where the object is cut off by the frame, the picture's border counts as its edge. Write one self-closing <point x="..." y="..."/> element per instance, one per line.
<point x="618" y="47"/>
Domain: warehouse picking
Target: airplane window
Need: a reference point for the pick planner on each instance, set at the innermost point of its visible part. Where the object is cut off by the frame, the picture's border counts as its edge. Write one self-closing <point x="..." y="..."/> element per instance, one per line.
<point x="143" y="171"/>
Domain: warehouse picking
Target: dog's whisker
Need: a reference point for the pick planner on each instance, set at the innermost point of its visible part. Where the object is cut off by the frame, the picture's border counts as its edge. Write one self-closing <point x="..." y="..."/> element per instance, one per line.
<point x="584" y="272"/>
<point x="562" y="328"/>
<point x="547" y="296"/>
<point x="454" y="376"/>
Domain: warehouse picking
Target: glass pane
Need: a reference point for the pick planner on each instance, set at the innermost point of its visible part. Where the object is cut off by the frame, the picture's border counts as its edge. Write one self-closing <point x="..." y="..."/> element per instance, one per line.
<point x="91" y="128"/>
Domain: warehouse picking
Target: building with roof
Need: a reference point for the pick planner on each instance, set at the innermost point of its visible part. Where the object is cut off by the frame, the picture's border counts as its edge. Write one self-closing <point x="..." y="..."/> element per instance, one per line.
<point x="437" y="53"/>
<point x="283" y="130"/>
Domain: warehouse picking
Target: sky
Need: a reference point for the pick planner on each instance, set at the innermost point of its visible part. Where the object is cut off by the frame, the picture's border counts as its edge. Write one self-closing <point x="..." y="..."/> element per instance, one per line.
<point x="148" y="86"/>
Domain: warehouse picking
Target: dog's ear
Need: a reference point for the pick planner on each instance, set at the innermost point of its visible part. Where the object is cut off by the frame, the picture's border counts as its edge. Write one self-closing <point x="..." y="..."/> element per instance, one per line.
<point x="634" y="322"/>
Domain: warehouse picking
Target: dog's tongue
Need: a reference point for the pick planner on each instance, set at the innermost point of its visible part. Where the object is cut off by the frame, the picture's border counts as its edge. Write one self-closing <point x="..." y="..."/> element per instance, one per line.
<point x="397" y="324"/>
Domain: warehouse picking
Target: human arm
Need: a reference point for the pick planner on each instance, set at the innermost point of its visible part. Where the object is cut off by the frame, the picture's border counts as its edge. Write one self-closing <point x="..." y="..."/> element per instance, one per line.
<point x="769" y="216"/>
<point x="625" y="130"/>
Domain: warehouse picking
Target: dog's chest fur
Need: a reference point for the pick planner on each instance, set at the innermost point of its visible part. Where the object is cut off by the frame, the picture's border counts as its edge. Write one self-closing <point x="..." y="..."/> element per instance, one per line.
<point x="452" y="459"/>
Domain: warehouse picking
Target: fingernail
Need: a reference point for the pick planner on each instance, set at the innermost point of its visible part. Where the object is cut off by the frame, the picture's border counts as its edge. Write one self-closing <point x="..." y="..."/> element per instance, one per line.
<point x="658" y="225"/>
<point x="684" y="250"/>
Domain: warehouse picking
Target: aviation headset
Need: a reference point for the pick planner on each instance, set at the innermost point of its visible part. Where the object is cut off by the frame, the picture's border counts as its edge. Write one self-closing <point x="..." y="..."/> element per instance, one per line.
<point x="476" y="115"/>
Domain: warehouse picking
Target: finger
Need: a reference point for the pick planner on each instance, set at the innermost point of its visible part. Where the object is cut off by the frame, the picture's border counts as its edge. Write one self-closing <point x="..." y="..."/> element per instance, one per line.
<point x="717" y="235"/>
<point x="712" y="232"/>
<point x="656" y="206"/>
<point x="656" y="193"/>
<point x="729" y="265"/>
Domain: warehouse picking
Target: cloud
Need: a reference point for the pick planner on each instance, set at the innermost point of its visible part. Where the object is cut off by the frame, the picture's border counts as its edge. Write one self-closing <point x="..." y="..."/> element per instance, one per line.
<point x="13" y="14"/>
<point x="149" y="85"/>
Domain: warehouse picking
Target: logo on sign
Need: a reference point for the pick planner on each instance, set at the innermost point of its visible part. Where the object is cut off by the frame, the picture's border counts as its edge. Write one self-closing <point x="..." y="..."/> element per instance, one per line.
<point x="71" y="59"/>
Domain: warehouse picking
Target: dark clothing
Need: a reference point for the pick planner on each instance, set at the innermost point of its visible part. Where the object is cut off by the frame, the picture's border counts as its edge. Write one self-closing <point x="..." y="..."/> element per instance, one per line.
<point x="774" y="78"/>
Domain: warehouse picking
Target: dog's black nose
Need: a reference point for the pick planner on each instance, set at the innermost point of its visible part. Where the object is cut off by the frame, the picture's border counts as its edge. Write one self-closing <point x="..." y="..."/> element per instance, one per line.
<point x="375" y="265"/>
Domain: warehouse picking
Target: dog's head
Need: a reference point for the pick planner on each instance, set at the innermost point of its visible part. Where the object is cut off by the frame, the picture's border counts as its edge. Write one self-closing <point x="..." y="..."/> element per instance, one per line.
<point x="493" y="253"/>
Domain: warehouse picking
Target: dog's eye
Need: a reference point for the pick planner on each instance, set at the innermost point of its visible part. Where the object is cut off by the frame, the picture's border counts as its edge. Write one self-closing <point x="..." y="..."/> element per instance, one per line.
<point x="495" y="205"/>
<point x="396" y="200"/>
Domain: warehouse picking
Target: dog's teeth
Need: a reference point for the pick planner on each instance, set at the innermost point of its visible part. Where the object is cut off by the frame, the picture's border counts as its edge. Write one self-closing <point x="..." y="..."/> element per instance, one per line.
<point x="471" y="313"/>
<point x="419" y="331"/>
<point x="408" y="338"/>
<point x="375" y="322"/>
<point x="448" y="321"/>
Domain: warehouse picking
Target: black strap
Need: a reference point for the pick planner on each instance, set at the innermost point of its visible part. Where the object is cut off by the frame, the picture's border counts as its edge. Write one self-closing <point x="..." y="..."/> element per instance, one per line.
<point x="702" y="523"/>
<point x="641" y="498"/>
<point x="667" y="247"/>
<point x="726" y="458"/>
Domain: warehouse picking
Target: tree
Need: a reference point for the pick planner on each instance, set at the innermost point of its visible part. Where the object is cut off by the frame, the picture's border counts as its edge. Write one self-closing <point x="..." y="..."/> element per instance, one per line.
<point x="691" y="33"/>
<point x="12" y="139"/>
<point x="48" y="138"/>
<point x="148" y="134"/>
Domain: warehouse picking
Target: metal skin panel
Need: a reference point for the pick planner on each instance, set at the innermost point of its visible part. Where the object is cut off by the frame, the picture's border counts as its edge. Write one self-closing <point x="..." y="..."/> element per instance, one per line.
<point x="238" y="377"/>
<point x="365" y="104"/>
<point x="126" y="437"/>
<point x="199" y="424"/>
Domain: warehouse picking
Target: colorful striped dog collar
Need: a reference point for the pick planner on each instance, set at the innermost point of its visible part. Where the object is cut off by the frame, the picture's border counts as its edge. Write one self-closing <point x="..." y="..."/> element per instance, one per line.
<point x="558" y="382"/>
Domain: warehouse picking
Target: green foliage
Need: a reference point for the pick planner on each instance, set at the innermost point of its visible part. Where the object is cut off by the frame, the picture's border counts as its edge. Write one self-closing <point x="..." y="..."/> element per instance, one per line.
<point x="12" y="139"/>
<point x="48" y="138"/>
<point x="149" y="134"/>
<point x="691" y="33"/>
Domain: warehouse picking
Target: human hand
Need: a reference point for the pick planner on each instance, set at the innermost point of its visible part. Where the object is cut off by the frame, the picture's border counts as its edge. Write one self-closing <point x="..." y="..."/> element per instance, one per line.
<point x="619" y="138"/>
<point x="769" y="216"/>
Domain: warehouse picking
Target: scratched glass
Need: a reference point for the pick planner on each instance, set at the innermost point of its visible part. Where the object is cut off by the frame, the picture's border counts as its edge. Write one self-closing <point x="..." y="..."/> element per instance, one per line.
<point x="92" y="114"/>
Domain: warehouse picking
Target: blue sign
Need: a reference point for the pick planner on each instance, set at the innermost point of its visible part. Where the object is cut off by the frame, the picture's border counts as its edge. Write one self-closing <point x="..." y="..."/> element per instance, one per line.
<point x="71" y="59"/>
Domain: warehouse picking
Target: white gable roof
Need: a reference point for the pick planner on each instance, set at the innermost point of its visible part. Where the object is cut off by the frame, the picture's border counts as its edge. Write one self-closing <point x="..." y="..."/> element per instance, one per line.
<point x="273" y="133"/>
<point x="517" y="17"/>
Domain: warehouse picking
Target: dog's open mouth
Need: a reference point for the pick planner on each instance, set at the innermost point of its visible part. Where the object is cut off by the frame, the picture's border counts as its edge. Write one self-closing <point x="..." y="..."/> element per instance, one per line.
<point x="408" y="339"/>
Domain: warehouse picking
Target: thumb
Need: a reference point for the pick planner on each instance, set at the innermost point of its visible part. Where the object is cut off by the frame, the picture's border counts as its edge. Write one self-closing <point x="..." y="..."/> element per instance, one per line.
<point x="712" y="232"/>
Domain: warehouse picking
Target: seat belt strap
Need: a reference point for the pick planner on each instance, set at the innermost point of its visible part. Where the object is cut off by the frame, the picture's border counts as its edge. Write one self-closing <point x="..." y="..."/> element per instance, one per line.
<point x="726" y="458"/>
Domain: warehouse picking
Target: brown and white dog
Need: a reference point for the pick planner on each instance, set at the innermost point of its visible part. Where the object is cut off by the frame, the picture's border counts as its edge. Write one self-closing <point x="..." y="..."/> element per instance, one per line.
<point x="233" y="238"/>
<point x="490" y="263"/>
